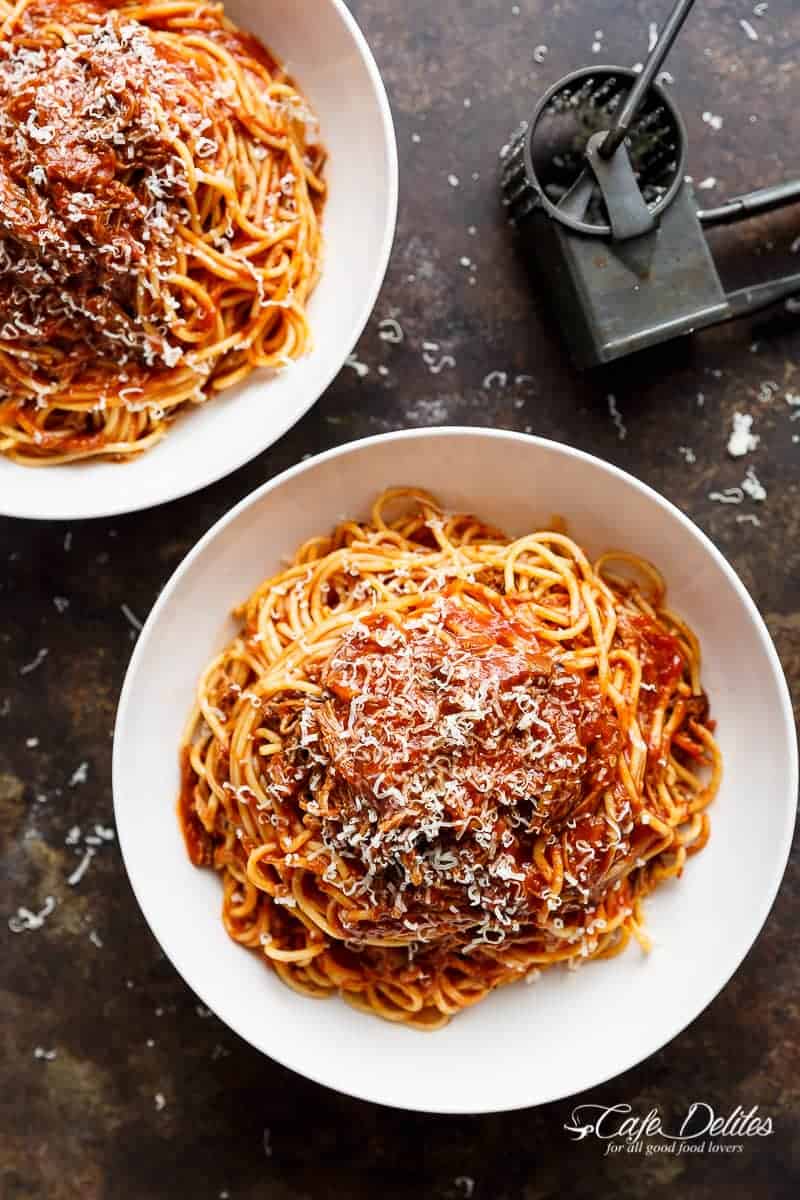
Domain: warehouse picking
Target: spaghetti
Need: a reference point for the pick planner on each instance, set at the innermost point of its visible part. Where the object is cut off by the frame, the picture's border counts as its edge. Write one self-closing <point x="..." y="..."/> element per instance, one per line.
<point x="435" y="760"/>
<point x="160" y="194"/>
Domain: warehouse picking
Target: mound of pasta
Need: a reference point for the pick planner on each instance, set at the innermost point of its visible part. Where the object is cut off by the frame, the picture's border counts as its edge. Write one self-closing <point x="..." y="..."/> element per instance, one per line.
<point x="436" y="760"/>
<point x="160" y="196"/>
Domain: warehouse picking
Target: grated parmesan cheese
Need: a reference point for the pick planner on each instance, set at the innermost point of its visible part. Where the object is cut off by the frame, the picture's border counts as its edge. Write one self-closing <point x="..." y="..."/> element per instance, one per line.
<point x="753" y="487"/>
<point x="79" y="775"/>
<point x="742" y="441"/>
<point x="24" y="919"/>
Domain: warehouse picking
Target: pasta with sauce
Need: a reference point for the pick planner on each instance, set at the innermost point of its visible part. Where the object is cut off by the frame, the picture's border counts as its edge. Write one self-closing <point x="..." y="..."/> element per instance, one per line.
<point x="435" y="760"/>
<point x="160" y="197"/>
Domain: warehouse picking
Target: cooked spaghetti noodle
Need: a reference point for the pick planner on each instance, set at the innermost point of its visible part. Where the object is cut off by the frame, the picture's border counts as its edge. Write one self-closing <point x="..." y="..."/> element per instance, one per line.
<point x="160" y="195"/>
<point x="435" y="760"/>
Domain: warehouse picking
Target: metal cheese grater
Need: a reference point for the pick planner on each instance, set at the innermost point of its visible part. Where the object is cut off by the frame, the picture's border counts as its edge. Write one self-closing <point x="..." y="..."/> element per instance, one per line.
<point x="595" y="185"/>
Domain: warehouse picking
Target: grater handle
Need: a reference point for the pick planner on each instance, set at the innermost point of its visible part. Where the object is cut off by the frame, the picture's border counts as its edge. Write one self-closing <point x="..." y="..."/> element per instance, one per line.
<point x="749" y="300"/>
<point x="629" y="215"/>
<point x="672" y="27"/>
<point x="741" y="207"/>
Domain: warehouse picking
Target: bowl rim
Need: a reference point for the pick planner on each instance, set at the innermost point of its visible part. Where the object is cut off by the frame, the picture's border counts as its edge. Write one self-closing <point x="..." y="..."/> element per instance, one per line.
<point x="57" y="509"/>
<point x="789" y="800"/>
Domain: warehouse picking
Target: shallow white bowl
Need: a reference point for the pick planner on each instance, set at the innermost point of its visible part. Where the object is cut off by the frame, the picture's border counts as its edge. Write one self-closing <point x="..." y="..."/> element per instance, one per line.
<point x="323" y="48"/>
<point x="522" y="1045"/>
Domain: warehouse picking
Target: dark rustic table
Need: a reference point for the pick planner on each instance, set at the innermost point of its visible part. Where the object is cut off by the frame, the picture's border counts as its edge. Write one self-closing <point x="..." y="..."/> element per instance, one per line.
<point x="116" y="1084"/>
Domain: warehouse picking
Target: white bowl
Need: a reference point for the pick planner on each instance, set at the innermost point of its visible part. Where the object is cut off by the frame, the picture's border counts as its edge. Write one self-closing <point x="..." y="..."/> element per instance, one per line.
<point x="522" y="1045"/>
<point x="326" y="53"/>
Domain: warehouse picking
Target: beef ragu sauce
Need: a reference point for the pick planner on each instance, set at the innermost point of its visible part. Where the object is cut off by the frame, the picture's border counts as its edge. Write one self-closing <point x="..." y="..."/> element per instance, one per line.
<point x="444" y="747"/>
<point x="92" y="187"/>
<point x="199" y="845"/>
<point x="248" y="45"/>
<point x="659" y="653"/>
<point x="90" y="184"/>
<point x="663" y="667"/>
